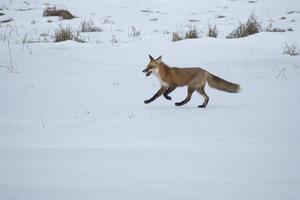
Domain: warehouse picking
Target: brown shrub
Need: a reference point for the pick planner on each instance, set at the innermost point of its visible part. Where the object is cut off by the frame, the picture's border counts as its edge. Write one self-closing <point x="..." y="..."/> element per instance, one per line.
<point x="192" y="33"/>
<point x="212" y="31"/>
<point x="65" y="14"/>
<point x="251" y="27"/>
<point x="176" y="37"/>
<point x="66" y="33"/>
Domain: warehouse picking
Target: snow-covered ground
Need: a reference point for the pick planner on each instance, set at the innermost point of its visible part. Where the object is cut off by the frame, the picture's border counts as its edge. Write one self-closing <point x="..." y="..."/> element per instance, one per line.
<point x="73" y="124"/>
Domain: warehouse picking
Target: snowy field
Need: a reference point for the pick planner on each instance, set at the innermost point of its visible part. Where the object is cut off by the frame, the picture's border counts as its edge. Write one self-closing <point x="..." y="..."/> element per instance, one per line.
<point x="73" y="124"/>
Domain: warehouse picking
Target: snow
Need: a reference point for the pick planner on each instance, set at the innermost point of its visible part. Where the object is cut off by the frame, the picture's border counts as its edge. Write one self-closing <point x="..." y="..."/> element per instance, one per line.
<point x="73" y="124"/>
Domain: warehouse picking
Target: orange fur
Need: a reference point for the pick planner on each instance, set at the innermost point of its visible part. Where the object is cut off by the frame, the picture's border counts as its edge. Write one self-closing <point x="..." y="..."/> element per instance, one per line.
<point x="195" y="78"/>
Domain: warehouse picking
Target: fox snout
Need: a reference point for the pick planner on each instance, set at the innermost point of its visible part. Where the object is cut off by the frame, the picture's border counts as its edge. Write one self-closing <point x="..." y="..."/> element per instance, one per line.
<point x="147" y="72"/>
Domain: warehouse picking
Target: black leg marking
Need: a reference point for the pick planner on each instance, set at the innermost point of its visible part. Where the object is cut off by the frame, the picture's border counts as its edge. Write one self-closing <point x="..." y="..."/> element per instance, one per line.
<point x="158" y="94"/>
<point x="170" y="89"/>
<point x="188" y="98"/>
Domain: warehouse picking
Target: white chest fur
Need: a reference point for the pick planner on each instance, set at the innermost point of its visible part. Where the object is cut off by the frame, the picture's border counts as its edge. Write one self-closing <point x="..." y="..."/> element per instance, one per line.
<point x="156" y="73"/>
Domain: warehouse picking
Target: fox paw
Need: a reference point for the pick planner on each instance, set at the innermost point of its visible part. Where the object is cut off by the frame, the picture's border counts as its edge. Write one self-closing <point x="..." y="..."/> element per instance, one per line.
<point x="147" y="101"/>
<point x="168" y="97"/>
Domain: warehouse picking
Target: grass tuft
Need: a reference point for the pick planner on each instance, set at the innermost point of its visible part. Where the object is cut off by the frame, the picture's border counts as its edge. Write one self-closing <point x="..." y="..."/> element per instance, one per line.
<point x="66" y="33"/>
<point x="88" y="26"/>
<point x="271" y="28"/>
<point x="191" y="33"/>
<point x="252" y="26"/>
<point x="176" y="37"/>
<point x="291" y="50"/>
<point x="212" y="31"/>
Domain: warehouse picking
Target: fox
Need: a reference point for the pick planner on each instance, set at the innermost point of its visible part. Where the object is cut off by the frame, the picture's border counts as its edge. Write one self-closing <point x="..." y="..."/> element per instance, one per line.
<point x="194" y="78"/>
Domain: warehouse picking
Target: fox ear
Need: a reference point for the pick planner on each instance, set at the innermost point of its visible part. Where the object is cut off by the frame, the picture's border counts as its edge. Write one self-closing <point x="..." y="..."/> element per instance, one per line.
<point x="159" y="58"/>
<point x="151" y="58"/>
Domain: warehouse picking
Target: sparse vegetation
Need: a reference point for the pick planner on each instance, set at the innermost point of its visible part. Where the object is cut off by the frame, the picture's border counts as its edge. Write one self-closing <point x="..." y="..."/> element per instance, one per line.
<point x="212" y="31"/>
<point x="1" y="13"/>
<point x="114" y="40"/>
<point x="176" y="37"/>
<point x="251" y="27"/>
<point x="66" y="33"/>
<point x="291" y="50"/>
<point x="191" y="33"/>
<point x="271" y="28"/>
<point x="133" y="32"/>
<point x="88" y="26"/>
<point x="53" y="11"/>
<point x="10" y="68"/>
<point x="6" y="37"/>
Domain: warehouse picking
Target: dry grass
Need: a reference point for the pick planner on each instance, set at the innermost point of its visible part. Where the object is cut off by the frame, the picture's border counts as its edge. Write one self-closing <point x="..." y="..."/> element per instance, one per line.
<point x="133" y="32"/>
<point x="66" y="33"/>
<point x="88" y="26"/>
<point x="291" y="50"/>
<point x="212" y="31"/>
<point x="53" y="11"/>
<point x="192" y="33"/>
<point x="271" y="28"/>
<point x="252" y="26"/>
<point x="176" y="37"/>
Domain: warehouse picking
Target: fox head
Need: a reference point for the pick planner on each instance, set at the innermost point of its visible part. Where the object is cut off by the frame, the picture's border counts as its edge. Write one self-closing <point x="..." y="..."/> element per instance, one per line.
<point x="152" y="66"/>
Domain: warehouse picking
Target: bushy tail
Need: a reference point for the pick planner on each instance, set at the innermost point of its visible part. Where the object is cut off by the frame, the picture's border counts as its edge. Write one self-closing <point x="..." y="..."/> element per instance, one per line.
<point x="221" y="84"/>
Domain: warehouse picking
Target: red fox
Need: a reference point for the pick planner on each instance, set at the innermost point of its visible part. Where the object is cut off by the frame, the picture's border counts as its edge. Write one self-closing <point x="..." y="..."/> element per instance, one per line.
<point x="195" y="78"/>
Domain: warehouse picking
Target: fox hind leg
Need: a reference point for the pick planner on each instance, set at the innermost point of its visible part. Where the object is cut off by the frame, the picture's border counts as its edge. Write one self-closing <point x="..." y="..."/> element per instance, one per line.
<point x="188" y="98"/>
<point x="206" y="98"/>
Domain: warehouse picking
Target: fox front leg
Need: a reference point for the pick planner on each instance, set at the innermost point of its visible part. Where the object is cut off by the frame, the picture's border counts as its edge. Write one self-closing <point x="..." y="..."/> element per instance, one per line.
<point x="170" y="89"/>
<point x="158" y="94"/>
